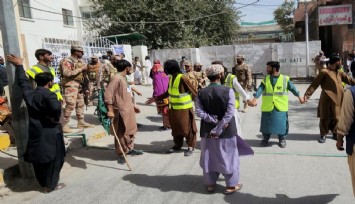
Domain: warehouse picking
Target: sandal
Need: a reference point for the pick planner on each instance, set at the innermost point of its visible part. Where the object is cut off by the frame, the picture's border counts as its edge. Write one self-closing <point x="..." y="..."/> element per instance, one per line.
<point x="211" y="188"/>
<point x="60" y="186"/>
<point x="230" y="190"/>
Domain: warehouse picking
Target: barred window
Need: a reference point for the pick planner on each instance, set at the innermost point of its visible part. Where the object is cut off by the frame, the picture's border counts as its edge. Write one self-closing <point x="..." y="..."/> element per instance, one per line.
<point x="24" y="8"/>
<point x="68" y="17"/>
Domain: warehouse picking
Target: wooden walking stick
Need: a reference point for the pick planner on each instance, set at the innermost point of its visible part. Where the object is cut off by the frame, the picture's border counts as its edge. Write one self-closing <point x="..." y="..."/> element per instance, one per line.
<point x="119" y="144"/>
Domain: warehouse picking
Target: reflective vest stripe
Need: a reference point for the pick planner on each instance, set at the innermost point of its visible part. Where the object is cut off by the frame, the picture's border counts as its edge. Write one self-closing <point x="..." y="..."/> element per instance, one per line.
<point x="229" y="83"/>
<point x="272" y="97"/>
<point x="178" y="101"/>
<point x="36" y="70"/>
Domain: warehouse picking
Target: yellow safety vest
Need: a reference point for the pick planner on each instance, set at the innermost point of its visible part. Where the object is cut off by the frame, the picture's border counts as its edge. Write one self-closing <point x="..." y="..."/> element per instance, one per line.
<point x="342" y="70"/>
<point x="277" y="96"/>
<point x="36" y="70"/>
<point x="229" y="83"/>
<point x="177" y="100"/>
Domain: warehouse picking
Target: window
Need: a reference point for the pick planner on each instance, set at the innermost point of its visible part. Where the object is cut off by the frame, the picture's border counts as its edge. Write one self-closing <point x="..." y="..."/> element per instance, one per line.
<point x="86" y="14"/>
<point x="67" y="17"/>
<point x="24" y="8"/>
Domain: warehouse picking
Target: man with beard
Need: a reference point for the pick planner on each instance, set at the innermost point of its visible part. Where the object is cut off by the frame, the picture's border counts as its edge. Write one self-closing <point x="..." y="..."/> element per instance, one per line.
<point x="274" y="90"/>
<point x="330" y="101"/>
<point x="182" y="121"/>
<point x="45" y="146"/>
<point x="190" y="74"/>
<point x="220" y="145"/>
<point x="121" y="110"/>
<point x="45" y="59"/>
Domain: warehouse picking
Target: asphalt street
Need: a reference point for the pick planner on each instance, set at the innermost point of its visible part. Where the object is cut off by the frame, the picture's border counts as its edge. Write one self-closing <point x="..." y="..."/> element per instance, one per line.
<point x="304" y="172"/>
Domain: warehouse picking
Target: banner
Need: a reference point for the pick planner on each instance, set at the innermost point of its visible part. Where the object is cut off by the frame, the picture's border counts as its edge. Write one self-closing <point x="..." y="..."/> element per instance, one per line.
<point x="335" y="15"/>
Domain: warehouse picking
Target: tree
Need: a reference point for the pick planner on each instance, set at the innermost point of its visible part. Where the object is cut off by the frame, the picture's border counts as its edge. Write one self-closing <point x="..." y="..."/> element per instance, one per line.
<point x="219" y="28"/>
<point x="284" y="16"/>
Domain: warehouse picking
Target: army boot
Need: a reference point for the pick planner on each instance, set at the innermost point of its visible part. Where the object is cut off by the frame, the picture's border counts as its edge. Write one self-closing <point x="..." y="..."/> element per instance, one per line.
<point x="67" y="129"/>
<point x="83" y="124"/>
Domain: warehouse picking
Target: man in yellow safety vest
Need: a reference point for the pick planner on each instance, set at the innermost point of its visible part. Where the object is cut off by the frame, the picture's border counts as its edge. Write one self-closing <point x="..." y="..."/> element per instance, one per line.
<point x="181" y="95"/>
<point x="45" y="59"/>
<point x="274" y="90"/>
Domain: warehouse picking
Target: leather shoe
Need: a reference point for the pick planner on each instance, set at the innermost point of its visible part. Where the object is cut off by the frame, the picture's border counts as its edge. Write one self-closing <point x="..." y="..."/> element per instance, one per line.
<point x="321" y="139"/>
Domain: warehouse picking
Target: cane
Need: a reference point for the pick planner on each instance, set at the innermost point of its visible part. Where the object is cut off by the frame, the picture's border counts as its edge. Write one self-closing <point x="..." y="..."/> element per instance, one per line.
<point x="119" y="144"/>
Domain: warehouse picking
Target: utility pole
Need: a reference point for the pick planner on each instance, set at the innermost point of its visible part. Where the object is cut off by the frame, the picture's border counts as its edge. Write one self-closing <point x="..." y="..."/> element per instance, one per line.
<point x="19" y="109"/>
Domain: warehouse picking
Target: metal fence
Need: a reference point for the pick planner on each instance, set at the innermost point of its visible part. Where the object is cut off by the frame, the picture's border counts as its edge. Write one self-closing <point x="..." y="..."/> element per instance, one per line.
<point x="92" y="45"/>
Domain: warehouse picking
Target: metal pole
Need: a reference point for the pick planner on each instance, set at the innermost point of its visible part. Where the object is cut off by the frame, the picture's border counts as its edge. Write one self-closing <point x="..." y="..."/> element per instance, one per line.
<point x="19" y="110"/>
<point x="307" y="40"/>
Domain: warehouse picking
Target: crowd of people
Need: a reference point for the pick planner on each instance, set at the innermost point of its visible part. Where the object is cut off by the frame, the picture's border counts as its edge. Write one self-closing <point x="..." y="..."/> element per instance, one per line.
<point x="180" y="91"/>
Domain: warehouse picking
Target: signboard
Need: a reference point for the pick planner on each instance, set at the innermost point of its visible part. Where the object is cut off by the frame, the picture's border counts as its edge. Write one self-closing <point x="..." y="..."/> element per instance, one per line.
<point x="335" y="15"/>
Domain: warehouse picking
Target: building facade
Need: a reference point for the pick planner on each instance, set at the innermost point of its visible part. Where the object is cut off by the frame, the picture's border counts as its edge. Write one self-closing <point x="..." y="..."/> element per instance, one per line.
<point x="335" y="38"/>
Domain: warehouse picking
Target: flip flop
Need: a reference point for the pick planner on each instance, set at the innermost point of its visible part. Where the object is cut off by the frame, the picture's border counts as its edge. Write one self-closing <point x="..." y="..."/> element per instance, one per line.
<point x="230" y="190"/>
<point x="60" y="186"/>
<point x="211" y="188"/>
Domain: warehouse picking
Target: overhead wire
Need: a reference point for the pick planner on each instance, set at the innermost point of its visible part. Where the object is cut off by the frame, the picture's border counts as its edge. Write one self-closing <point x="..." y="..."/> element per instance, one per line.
<point x="130" y="22"/>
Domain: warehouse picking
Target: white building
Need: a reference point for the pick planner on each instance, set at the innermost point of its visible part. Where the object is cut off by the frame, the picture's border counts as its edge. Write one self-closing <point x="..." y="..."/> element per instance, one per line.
<point x="42" y="21"/>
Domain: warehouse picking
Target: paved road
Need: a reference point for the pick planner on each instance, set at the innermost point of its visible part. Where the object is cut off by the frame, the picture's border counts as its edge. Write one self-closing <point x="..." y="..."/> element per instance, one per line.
<point x="304" y="172"/>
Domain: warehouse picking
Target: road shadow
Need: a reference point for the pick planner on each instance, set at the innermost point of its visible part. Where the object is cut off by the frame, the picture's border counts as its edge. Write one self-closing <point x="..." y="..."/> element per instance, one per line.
<point x="294" y="136"/>
<point x="179" y="183"/>
<point x="157" y="119"/>
<point x="76" y="153"/>
<point x="161" y="147"/>
<point x="194" y="184"/>
<point x="143" y="104"/>
<point x="279" y="199"/>
<point x="151" y="128"/>
<point x="15" y="183"/>
<point x="89" y="118"/>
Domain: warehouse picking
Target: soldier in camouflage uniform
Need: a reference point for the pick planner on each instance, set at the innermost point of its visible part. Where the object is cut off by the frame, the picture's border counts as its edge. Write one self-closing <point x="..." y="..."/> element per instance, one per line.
<point x="72" y="69"/>
<point x="92" y="73"/>
<point x="106" y="72"/>
<point x="200" y="75"/>
<point x="189" y="73"/>
<point x="243" y="73"/>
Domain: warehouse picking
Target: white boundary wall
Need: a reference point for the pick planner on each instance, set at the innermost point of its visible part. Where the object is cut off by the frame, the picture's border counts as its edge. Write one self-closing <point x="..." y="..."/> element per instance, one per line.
<point x="292" y="56"/>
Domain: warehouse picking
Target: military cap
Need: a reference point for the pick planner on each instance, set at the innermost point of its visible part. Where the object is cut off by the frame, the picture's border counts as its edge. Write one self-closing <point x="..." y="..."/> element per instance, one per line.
<point x="94" y="57"/>
<point x="187" y="63"/>
<point x="198" y="64"/>
<point x="240" y="56"/>
<point x="77" y="48"/>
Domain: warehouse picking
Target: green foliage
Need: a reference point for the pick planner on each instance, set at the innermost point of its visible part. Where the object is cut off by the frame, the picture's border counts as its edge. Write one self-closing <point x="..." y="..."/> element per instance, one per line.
<point x="214" y="30"/>
<point x="284" y="16"/>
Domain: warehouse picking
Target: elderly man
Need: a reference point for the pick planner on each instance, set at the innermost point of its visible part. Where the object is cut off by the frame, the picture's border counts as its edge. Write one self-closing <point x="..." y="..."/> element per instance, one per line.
<point x="219" y="142"/>
<point x="243" y="73"/>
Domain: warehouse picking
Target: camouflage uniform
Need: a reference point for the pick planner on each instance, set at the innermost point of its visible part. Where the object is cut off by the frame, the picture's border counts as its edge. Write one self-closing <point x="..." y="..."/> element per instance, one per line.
<point x="106" y="72"/>
<point x="72" y="78"/>
<point x="201" y="75"/>
<point x="93" y="70"/>
<point x="243" y="74"/>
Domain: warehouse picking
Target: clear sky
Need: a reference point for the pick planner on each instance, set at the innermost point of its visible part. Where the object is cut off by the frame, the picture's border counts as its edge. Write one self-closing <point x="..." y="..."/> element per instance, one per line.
<point x="261" y="11"/>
